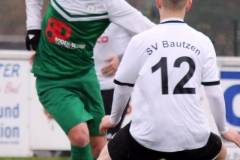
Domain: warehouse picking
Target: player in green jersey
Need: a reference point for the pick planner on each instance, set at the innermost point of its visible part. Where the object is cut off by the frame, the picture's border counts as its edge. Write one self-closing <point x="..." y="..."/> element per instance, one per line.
<point x="66" y="81"/>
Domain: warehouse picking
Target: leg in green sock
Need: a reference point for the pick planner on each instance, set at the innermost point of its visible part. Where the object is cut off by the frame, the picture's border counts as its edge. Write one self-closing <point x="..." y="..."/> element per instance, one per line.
<point x="78" y="153"/>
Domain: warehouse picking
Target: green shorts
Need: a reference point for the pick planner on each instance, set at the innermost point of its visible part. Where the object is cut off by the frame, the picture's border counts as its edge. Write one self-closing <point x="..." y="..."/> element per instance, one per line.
<point x="73" y="100"/>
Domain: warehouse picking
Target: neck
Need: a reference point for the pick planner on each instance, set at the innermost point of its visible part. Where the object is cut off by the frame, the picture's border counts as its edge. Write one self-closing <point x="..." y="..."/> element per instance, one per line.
<point x="169" y="14"/>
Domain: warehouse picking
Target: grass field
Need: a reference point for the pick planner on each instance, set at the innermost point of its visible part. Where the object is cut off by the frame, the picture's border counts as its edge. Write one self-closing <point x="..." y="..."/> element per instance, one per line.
<point x="35" y="158"/>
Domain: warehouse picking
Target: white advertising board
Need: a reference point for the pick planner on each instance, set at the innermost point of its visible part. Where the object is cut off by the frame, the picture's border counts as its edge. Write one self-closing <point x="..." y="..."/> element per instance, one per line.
<point x="230" y="82"/>
<point x="229" y="72"/>
<point x="25" y="127"/>
<point x="45" y="133"/>
<point x="14" y="108"/>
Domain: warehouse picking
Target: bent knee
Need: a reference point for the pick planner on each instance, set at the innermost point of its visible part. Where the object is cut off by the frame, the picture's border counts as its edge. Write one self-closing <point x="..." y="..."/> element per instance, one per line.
<point x="223" y="153"/>
<point x="79" y="135"/>
<point x="79" y="140"/>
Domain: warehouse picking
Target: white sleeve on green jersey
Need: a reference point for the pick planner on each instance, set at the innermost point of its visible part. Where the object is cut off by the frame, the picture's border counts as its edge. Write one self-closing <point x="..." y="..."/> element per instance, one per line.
<point x="124" y="15"/>
<point x="34" y="16"/>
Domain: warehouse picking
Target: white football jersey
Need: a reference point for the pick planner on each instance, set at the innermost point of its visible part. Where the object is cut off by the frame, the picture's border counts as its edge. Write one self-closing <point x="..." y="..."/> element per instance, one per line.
<point x="117" y="11"/>
<point x="167" y="65"/>
<point x="113" y="41"/>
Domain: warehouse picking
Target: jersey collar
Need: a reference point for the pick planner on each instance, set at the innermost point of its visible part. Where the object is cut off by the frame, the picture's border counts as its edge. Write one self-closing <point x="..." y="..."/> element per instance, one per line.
<point x="172" y="20"/>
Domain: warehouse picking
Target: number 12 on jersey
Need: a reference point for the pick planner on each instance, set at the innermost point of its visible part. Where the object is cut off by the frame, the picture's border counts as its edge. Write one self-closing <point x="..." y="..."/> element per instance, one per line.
<point x="179" y="88"/>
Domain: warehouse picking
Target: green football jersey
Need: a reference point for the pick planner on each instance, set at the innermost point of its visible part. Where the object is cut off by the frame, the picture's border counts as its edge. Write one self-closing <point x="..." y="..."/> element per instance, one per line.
<point x="66" y="48"/>
<point x="69" y="31"/>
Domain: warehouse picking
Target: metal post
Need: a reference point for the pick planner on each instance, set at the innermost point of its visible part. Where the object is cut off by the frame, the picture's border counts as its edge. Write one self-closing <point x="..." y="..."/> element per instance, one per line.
<point x="235" y="35"/>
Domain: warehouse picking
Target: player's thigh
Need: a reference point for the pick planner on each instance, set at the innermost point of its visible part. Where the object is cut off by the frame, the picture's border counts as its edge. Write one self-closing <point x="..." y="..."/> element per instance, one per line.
<point x="91" y="96"/>
<point x="65" y="107"/>
<point x="104" y="155"/>
<point x="223" y="153"/>
<point x="210" y="151"/>
<point x="123" y="146"/>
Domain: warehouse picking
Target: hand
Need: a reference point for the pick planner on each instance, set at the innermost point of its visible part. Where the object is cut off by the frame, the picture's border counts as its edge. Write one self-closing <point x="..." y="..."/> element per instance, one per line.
<point x="32" y="39"/>
<point x="111" y="68"/>
<point x="232" y="136"/>
<point x="47" y="114"/>
<point x="105" y="124"/>
<point x="31" y="58"/>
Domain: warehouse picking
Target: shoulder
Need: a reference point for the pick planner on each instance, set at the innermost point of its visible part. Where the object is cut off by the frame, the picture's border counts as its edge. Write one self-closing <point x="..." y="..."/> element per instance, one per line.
<point x="200" y="35"/>
<point x="145" y="35"/>
<point x="204" y="43"/>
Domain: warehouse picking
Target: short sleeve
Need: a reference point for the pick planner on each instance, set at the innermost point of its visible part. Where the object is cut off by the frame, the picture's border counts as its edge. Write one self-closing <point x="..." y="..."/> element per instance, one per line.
<point x="210" y="74"/>
<point x="128" y="70"/>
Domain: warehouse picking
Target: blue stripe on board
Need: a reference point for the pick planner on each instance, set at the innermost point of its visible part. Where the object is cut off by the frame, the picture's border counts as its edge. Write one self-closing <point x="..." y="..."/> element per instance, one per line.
<point x="229" y="75"/>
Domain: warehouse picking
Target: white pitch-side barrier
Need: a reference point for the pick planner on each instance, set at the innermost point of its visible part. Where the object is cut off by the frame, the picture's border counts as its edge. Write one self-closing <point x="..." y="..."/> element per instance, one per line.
<point x="25" y="127"/>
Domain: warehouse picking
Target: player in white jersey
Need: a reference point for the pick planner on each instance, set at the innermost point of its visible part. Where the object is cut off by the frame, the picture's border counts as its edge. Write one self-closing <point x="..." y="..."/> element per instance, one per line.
<point x="166" y="66"/>
<point x="66" y="80"/>
<point x="108" y="53"/>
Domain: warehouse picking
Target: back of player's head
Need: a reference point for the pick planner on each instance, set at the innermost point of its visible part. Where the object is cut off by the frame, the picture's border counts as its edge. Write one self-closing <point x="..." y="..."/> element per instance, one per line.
<point x="174" y="4"/>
